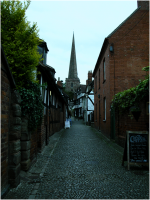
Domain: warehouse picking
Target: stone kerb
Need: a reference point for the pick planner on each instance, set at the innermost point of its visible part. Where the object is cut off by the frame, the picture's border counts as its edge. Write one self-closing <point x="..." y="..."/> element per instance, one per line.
<point x="25" y="144"/>
<point x="14" y="140"/>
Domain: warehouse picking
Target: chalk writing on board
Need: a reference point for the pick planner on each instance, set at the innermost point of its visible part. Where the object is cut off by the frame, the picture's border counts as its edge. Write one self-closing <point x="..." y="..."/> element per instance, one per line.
<point x="137" y="138"/>
<point x="138" y="148"/>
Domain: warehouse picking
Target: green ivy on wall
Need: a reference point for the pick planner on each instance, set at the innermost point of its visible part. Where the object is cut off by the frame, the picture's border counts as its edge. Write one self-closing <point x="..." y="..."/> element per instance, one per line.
<point x="123" y="101"/>
<point x="31" y="103"/>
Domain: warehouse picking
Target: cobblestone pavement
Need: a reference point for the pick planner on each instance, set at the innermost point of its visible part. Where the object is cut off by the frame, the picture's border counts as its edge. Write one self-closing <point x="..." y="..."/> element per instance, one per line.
<point x="80" y="163"/>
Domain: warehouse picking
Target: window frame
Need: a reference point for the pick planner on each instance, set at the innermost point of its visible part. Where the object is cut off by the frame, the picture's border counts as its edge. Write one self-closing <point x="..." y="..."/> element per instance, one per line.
<point x="104" y="109"/>
<point x="99" y="78"/>
<point x="104" y="71"/>
<point x="95" y="84"/>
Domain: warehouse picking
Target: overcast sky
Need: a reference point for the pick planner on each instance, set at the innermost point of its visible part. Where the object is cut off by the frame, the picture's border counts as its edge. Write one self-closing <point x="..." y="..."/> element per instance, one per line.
<point x="91" y="22"/>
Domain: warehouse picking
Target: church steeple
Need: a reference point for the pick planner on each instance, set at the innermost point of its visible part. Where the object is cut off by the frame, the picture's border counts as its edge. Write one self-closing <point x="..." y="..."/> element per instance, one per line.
<point x="73" y="63"/>
<point x="72" y="82"/>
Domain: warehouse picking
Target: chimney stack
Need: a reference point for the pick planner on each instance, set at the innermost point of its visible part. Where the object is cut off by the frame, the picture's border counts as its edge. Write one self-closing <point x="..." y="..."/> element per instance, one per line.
<point x="89" y="80"/>
<point x="144" y="5"/>
<point x="59" y="82"/>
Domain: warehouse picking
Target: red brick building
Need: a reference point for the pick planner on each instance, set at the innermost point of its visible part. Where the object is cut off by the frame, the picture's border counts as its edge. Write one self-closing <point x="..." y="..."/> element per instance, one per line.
<point x="119" y="66"/>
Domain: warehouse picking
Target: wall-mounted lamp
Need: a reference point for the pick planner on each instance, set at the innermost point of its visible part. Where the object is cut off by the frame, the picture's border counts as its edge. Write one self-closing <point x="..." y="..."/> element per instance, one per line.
<point x="111" y="48"/>
<point x="50" y="93"/>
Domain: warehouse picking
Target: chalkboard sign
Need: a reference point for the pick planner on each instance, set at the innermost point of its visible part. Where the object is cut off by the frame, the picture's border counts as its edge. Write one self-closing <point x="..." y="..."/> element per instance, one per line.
<point x="136" y="148"/>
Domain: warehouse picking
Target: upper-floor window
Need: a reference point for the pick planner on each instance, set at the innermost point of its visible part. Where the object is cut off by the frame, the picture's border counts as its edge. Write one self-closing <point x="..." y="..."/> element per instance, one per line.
<point x="104" y="70"/>
<point x="43" y="54"/>
<point x="71" y="84"/>
<point x="99" y="78"/>
<point x="95" y="84"/>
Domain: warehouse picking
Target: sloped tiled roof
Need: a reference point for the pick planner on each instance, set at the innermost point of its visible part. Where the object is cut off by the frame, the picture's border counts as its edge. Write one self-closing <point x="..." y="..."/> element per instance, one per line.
<point x="42" y="44"/>
<point x="47" y="67"/>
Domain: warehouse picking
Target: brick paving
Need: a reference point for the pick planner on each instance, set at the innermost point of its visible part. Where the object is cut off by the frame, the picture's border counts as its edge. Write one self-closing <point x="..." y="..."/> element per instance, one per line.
<point x="80" y="163"/>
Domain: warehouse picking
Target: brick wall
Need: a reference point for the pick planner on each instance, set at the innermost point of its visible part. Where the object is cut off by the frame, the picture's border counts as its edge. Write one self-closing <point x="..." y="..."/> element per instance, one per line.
<point x="123" y="67"/>
<point x="54" y="121"/>
<point x="99" y="95"/>
<point x="10" y="129"/>
<point x="5" y="107"/>
<point x="124" y="123"/>
<point x="144" y="5"/>
<point x="41" y="135"/>
<point x="34" y="145"/>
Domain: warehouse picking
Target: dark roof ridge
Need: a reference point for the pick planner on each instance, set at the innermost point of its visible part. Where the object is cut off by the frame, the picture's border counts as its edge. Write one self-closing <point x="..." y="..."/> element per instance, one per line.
<point x="46" y="66"/>
<point x="123" y="22"/>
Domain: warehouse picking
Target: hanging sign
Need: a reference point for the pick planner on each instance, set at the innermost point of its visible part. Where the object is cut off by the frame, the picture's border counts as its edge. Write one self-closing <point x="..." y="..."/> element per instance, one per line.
<point x="136" y="148"/>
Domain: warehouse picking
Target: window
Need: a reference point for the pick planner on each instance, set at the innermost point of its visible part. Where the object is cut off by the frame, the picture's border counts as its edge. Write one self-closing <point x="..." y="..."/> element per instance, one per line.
<point x="71" y="84"/>
<point x="41" y="84"/>
<point x="104" y="70"/>
<point x="104" y="108"/>
<point x="99" y="110"/>
<point x="99" y="78"/>
<point x="96" y="113"/>
<point x="53" y="100"/>
<point x="45" y="101"/>
<point x="95" y="84"/>
<point x="48" y="96"/>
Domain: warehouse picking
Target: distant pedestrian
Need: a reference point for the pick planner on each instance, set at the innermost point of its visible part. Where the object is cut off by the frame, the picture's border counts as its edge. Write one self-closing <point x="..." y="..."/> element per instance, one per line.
<point x="70" y="122"/>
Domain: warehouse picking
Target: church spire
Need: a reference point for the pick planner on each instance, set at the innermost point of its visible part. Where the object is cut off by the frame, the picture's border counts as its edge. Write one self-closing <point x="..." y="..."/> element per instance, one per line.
<point x="73" y="63"/>
<point x="72" y="82"/>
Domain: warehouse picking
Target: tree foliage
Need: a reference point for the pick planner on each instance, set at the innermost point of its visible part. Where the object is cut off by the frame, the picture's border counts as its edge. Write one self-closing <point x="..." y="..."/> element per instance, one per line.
<point x="19" y="40"/>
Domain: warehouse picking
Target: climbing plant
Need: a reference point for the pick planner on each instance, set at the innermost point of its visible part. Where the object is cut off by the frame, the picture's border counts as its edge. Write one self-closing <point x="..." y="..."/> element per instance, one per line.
<point x="123" y="101"/>
<point x="31" y="103"/>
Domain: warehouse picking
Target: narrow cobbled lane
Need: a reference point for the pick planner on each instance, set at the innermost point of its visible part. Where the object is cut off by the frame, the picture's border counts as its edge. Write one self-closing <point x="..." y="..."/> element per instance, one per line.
<point x="85" y="166"/>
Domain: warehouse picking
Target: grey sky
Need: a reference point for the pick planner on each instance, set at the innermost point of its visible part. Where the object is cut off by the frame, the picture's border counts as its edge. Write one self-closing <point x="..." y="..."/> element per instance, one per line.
<point x="91" y="22"/>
